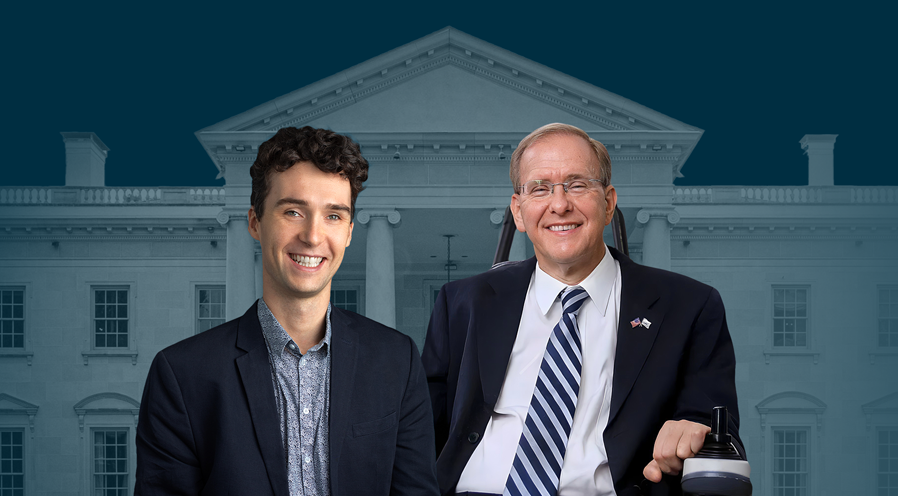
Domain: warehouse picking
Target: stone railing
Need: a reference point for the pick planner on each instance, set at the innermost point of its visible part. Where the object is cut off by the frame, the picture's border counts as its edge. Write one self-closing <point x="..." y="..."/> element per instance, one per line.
<point x="786" y="194"/>
<point x="111" y="196"/>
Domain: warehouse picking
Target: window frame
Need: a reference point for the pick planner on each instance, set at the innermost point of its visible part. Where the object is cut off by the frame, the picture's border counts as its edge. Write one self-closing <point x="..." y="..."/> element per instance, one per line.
<point x="90" y="350"/>
<point x="26" y="351"/>
<point x="789" y="410"/>
<point x="807" y="317"/>
<point x="91" y="441"/>
<point x="876" y="446"/>
<point x="351" y="284"/>
<point x="879" y="414"/>
<point x="879" y="318"/>
<point x="195" y="302"/>
<point x="806" y="429"/>
<point x="107" y="411"/>
<point x="18" y="415"/>
<point x="810" y="347"/>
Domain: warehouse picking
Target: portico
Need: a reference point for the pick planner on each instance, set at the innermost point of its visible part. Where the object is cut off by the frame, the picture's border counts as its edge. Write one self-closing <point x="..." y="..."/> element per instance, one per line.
<point x="438" y="120"/>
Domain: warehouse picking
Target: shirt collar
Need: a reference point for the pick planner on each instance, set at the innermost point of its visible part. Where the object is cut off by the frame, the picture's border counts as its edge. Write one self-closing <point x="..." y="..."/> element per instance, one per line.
<point x="278" y="339"/>
<point x="598" y="284"/>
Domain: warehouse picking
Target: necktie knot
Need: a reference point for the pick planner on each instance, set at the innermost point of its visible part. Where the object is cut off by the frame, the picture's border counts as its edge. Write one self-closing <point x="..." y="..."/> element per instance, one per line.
<point x="572" y="299"/>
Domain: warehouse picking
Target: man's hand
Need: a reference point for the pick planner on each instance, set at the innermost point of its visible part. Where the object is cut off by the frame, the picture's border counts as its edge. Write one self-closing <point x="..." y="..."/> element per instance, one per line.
<point x="676" y="441"/>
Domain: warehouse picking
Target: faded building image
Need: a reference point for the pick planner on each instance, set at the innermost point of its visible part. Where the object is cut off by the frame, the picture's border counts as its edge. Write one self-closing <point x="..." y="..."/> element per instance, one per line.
<point x="95" y="280"/>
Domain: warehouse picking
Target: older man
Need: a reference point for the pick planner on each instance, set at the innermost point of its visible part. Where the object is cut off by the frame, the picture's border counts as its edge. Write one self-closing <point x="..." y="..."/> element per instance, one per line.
<point x="577" y="372"/>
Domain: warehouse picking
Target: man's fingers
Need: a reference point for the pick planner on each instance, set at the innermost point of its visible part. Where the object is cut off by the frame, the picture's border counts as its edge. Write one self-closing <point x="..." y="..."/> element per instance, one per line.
<point x="652" y="472"/>
<point x="698" y="439"/>
<point x="666" y="449"/>
<point x="676" y="441"/>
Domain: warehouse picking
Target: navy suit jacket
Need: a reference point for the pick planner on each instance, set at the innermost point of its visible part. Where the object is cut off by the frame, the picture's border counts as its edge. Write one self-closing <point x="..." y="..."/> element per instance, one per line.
<point x="680" y="368"/>
<point x="209" y="425"/>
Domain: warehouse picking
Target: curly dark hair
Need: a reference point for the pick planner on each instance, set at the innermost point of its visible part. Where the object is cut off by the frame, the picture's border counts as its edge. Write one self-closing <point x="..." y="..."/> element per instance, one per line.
<point x="327" y="150"/>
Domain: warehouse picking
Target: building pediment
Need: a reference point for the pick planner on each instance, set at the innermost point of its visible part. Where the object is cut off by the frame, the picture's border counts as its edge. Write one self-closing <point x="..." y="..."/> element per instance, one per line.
<point x="886" y="404"/>
<point x="107" y="403"/>
<point x="451" y="82"/>
<point x="791" y="402"/>
<point x="10" y="405"/>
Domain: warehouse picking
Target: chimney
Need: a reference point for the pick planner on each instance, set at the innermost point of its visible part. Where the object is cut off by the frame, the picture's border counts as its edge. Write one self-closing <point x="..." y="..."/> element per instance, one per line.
<point x="85" y="160"/>
<point x="819" y="149"/>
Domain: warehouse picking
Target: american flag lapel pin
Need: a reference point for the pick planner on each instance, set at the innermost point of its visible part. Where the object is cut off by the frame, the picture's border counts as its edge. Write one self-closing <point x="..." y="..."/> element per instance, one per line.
<point x="635" y="322"/>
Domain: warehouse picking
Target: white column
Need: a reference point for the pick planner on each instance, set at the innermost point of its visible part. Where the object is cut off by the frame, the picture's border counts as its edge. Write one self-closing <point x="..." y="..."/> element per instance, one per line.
<point x="380" y="270"/>
<point x="240" y="278"/>
<point x="656" y="242"/>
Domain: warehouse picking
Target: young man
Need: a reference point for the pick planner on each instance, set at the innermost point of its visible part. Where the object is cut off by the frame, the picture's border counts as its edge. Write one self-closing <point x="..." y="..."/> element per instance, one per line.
<point x="579" y="371"/>
<point x="297" y="397"/>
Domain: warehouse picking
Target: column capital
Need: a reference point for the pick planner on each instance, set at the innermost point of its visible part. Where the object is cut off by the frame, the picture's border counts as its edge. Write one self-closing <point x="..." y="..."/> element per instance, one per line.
<point x="497" y="216"/>
<point x="670" y="214"/>
<point x="392" y="215"/>
<point x="227" y="213"/>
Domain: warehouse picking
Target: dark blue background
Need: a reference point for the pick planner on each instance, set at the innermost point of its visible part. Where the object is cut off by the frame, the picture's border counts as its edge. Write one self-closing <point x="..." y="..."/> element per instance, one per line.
<point x="756" y="77"/>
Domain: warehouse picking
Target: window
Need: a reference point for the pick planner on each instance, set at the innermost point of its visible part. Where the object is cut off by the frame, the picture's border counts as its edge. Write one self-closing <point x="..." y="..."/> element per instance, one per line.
<point x="210" y="307"/>
<point x="790" y="462"/>
<point x="790" y="317"/>
<point x="12" y="462"/>
<point x="12" y="318"/>
<point x="110" y="462"/>
<point x="347" y="299"/>
<point x="888" y="317"/>
<point x="791" y="423"/>
<point x="107" y="422"/>
<point x="110" y="318"/>
<point x="887" y="462"/>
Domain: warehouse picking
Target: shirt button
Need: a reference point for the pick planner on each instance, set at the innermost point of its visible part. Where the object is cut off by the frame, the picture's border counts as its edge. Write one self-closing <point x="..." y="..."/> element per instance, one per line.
<point x="292" y="346"/>
<point x="308" y="459"/>
<point x="305" y="411"/>
<point x="473" y="437"/>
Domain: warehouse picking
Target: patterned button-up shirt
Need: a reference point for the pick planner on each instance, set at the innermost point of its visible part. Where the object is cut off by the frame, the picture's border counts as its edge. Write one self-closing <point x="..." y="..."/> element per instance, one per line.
<point x="302" y="394"/>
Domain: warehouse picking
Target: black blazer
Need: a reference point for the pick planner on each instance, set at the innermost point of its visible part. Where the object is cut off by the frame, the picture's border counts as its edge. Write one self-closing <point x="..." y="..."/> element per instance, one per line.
<point x="680" y="368"/>
<point x="208" y="422"/>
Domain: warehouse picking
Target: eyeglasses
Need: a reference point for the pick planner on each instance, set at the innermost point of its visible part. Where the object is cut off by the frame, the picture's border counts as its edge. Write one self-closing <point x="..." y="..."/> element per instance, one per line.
<point x="540" y="188"/>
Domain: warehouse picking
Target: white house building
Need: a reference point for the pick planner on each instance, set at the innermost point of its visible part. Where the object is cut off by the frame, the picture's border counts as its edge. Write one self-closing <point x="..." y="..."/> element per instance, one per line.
<point x="95" y="280"/>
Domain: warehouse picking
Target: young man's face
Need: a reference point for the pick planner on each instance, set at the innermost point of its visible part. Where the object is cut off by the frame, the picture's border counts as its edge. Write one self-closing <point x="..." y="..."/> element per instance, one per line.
<point x="566" y="230"/>
<point x="304" y="230"/>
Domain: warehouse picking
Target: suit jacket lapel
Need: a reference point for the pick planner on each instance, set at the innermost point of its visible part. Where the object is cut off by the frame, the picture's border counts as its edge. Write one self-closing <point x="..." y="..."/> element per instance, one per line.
<point x="497" y="325"/>
<point x="255" y="372"/>
<point x="344" y="351"/>
<point x="639" y="297"/>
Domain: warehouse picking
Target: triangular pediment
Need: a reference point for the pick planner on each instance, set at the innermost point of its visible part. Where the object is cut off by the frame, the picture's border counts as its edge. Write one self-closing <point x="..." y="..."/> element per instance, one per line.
<point x="450" y="88"/>
<point x="448" y="99"/>
<point x="11" y="405"/>
<point x="452" y="79"/>
<point x="886" y="404"/>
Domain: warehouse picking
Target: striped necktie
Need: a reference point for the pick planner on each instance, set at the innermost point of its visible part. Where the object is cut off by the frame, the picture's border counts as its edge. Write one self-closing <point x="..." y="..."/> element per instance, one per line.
<point x="540" y="454"/>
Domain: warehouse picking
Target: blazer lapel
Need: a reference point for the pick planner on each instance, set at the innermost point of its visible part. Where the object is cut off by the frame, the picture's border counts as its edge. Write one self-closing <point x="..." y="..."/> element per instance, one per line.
<point x="344" y="351"/>
<point x="497" y="325"/>
<point x="638" y="300"/>
<point x="255" y="372"/>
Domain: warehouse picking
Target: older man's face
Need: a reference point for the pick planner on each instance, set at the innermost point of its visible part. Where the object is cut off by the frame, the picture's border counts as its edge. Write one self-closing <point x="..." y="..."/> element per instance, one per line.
<point x="566" y="230"/>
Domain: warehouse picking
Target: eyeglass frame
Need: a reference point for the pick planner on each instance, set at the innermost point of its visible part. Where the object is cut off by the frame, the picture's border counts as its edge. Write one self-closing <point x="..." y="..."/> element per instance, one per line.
<point x="564" y="186"/>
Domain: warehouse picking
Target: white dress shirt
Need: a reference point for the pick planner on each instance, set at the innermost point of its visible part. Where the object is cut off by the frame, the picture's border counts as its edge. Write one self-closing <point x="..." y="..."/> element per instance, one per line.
<point x="585" y="470"/>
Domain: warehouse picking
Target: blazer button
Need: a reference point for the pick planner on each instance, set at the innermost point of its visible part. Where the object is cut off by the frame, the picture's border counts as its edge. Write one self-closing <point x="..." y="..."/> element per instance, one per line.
<point x="473" y="437"/>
